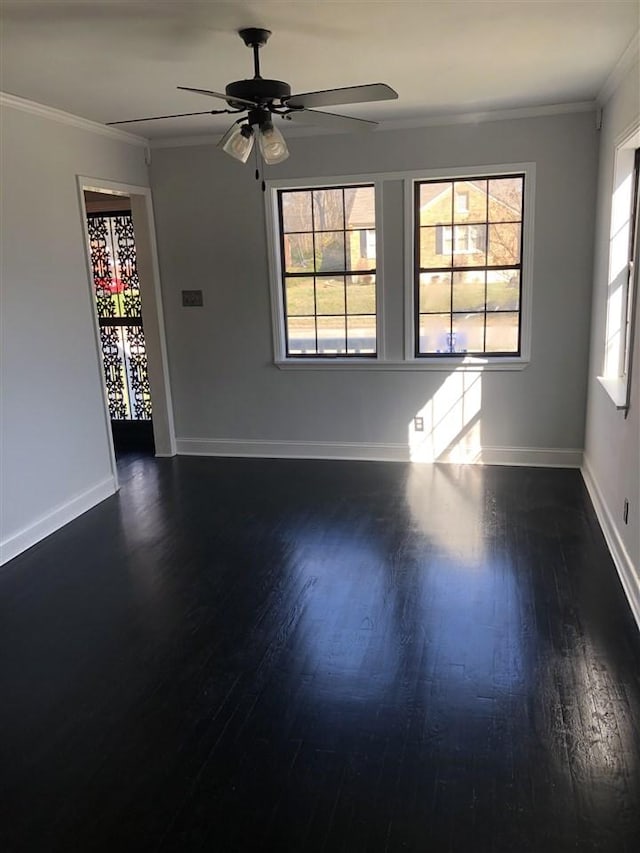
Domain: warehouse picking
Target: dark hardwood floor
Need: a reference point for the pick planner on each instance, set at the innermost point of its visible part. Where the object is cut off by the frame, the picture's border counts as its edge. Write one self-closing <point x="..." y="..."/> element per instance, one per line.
<point x="240" y="655"/>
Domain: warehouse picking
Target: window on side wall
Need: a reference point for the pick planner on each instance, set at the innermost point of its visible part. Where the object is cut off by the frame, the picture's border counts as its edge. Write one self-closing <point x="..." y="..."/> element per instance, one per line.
<point x="622" y="271"/>
<point x="468" y="266"/>
<point x="327" y="272"/>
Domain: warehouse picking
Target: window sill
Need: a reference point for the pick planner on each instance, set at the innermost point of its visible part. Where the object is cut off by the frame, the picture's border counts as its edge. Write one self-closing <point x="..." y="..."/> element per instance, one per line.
<point x="616" y="388"/>
<point x="472" y="365"/>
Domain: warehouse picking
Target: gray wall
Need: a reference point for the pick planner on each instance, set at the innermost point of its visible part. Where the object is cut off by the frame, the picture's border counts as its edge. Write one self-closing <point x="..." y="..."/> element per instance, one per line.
<point x="211" y="234"/>
<point x="612" y="446"/>
<point x="55" y="446"/>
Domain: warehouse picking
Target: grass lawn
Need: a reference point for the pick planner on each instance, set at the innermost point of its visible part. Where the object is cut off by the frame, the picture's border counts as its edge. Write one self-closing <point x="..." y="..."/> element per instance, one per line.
<point x="470" y="296"/>
<point x="329" y="297"/>
<point x="435" y="297"/>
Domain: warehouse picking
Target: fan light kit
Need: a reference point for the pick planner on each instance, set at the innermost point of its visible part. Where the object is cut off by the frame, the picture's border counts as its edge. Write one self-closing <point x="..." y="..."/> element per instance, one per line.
<point x="261" y="99"/>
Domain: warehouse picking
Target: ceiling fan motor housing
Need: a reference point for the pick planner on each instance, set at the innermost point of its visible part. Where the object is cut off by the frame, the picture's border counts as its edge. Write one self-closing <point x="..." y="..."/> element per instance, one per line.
<point x="258" y="90"/>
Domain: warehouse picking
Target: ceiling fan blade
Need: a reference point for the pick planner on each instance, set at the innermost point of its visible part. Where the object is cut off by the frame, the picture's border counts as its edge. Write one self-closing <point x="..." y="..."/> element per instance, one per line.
<point x="332" y="121"/>
<point x="175" y="115"/>
<point x="218" y="95"/>
<point x="347" y="95"/>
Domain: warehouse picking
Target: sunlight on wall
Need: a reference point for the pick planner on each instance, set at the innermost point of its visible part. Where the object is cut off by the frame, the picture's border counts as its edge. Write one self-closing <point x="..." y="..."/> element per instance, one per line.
<point x="451" y="420"/>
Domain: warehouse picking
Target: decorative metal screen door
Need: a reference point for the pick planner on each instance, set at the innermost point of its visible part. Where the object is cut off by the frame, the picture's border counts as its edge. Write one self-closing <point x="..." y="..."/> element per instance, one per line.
<point x="117" y="293"/>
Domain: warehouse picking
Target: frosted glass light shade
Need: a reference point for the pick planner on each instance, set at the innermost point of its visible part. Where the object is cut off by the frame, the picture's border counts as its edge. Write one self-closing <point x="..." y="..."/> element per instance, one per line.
<point x="238" y="142"/>
<point x="272" y="145"/>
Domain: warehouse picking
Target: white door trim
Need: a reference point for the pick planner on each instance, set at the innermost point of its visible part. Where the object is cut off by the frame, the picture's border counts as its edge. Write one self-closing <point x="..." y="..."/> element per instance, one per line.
<point x="152" y="310"/>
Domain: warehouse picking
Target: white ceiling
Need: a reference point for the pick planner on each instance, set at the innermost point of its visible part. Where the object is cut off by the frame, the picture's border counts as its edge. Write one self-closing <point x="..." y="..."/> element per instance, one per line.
<point x="108" y="60"/>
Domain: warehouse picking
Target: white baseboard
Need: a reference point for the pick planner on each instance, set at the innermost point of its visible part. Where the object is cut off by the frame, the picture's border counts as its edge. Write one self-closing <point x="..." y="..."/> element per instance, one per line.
<point x="54" y="520"/>
<point x="628" y="573"/>
<point x="530" y="456"/>
<point x="292" y="449"/>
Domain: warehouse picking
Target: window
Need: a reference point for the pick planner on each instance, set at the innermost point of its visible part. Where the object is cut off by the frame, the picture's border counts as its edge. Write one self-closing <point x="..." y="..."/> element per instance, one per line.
<point x="622" y="279"/>
<point x="468" y="266"/>
<point x="457" y="280"/>
<point x="462" y="201"/>
<point x="327" y="264"/>
<point x="632" y="275"/>
<point x="468" y="239"/>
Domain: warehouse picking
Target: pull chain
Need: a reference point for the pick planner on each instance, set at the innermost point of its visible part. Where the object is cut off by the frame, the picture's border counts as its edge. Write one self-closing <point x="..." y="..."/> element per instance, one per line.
<point x="255" y="152"/>
<point x="264" y="186"/>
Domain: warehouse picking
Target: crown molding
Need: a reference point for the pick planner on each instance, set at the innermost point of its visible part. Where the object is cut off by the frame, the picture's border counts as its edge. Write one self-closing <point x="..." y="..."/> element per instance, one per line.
<point x="404" y="124"/>
<point x="17" y="103"/>
<point x="620" y="69"/>
<point x="481" y="117"/>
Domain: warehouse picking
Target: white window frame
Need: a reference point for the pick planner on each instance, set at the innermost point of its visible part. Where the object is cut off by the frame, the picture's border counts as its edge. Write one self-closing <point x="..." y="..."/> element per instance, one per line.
<point x="487" y="362"/>
<point x="404" y="343"/>
<point x="622" y="284"/>
<point x="275" y="270"/>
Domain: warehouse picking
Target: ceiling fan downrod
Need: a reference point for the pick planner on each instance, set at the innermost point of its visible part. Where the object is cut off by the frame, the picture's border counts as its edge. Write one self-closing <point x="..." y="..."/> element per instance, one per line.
<point x="257" y="91"/>
<point x="255" y="38"/>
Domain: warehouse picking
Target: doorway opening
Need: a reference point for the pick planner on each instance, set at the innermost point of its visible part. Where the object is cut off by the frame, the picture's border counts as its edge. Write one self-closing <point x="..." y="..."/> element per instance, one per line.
<point x="118" y="304"/>
<point x="131" y="352"/>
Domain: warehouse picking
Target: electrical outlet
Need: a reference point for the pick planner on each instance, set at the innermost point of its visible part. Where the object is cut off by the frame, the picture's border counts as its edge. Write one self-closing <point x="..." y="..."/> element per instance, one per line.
<point x="192" y="299"/>
<point x="418" y="424"/>
<point x="625" y="511"/>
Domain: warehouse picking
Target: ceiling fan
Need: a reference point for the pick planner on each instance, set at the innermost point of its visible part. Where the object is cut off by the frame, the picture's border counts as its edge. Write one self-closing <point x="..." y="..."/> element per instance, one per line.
<point x="261" y="99"/>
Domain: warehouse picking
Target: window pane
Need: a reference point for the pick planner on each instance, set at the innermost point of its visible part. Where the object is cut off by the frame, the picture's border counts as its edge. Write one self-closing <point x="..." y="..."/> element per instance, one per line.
<point x="435" y="333"/>
<point x="299" y="296"/>
<point x="505" y="199"/>
<point x="435" y="292"/>
<point x="361" y="249"/>
<point x="436" y="203"/>
<point x="475" y="195"/>
<point x="296" y="211"/>
<point x="469" y="242"/>
<point x="468" y="333"/>
<point x="330" y="251"/>
<point x="361" y="334"/>
<point x="331" y="335"/>
<point x="361" y="294"/>
<point x="503" y="290"/>
<point x="328" y="213"/>
<point x="468" y="290"/>
<point x="330" y="295"/>
<point x="298" y="252"/>
<point x="502" y="332"/>
<point x="360" y="207"/>
<point x="435" y="246"/>
<point x="301" y="336"/>
<point x="504" y="244"/>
